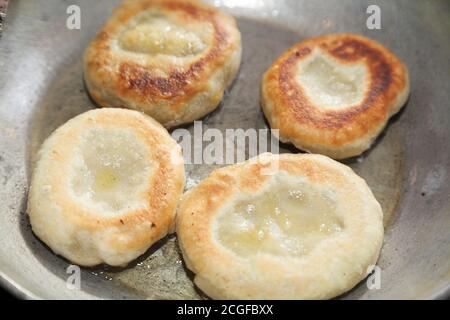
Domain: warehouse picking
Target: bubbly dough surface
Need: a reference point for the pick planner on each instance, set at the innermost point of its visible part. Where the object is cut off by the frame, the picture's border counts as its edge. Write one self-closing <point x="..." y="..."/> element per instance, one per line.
<point x="156" y="34"/>
<point x="112" y="170"/>
<point x="286" y="219"/>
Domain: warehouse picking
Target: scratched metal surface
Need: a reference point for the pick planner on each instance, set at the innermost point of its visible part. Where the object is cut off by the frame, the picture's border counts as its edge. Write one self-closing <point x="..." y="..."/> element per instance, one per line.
<point x="408" y="168"/>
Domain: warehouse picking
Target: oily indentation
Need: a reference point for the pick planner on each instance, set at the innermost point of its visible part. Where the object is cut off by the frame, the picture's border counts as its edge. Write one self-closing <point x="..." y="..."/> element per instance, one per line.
<point x="210" y="39"/>
<point x="112" y="170"/>
<point x="349" y="51"/>
<point x="287" y="219"/>
<point x="330" y="84"/>
<point x="159" y="35"/>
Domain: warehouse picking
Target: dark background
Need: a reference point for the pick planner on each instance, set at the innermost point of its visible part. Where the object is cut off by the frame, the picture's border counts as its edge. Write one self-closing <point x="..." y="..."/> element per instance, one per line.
<point x="5" y="295"/>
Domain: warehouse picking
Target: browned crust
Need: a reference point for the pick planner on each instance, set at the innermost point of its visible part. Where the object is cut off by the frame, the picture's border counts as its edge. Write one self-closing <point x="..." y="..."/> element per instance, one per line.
<point x="297" y="117"/>
<point x="164" y="187"/>
<point x="137" y="82"/>
<point x="135" y="77"/>
<point x="224" y="276"/>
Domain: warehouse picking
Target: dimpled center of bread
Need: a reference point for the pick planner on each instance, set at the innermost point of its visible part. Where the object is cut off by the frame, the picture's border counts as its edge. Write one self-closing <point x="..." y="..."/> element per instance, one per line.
<point x="330" y="84"/>
<point x="158" y="35"/>
<point x="287" y="219"/>
<point x="111" y="170"/>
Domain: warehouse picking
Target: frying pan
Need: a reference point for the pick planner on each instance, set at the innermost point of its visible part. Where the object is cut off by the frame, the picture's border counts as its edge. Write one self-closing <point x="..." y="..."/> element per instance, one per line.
<point x="41" y="87"/>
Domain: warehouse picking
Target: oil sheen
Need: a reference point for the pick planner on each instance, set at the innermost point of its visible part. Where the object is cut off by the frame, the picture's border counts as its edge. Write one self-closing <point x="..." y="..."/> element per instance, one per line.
<point x="111" y="170"/>
<point x="159" y="35"/>
<point x="284" y="220"/>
